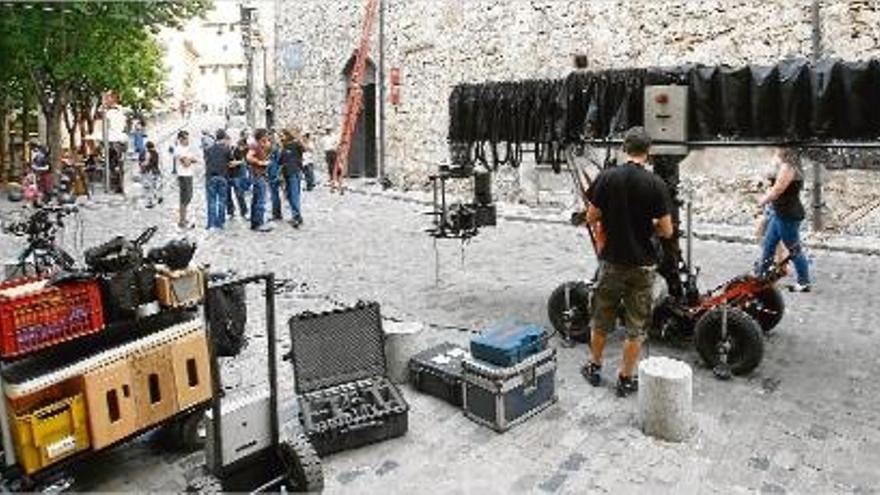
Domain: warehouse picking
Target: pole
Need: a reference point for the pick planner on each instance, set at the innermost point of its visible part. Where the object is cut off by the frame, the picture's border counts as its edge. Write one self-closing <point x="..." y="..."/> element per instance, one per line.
<point x="817" y="168"/>
<point x="105" y="136"/>
<point x="381" y="89"/>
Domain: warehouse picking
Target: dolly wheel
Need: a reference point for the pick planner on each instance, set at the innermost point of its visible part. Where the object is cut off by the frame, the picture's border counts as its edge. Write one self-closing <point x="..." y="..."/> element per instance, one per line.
<point x="767" y="308"/>
<point x="570" y="315"/>
<point x="744" y="345"/>
<point x="186" y="434"/>
<point x="302" y="464"/>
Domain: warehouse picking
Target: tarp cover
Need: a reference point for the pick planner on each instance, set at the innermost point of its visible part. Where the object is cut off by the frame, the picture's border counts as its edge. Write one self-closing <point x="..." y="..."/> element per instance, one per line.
<point x="792" y="100"/>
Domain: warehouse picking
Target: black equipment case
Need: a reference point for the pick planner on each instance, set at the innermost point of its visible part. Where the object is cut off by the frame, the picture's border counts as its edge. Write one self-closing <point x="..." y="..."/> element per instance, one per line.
<point x="345" y="398"/>
<point x="501" y="398"/>
<point x="438" y="371"/>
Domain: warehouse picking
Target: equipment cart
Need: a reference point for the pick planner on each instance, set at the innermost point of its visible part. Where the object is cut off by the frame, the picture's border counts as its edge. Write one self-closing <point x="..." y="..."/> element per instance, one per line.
<point x="244" y="449"/>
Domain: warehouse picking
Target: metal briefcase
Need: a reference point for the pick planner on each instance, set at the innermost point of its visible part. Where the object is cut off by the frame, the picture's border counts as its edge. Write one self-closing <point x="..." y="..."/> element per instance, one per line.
<point x="345" y="398"/>
<point x="501" y="398"/>
<point x="438" y="371"/>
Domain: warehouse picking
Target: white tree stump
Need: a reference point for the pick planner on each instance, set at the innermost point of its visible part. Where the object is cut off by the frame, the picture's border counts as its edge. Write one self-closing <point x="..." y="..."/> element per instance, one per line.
<point x="666" y="398"/>
<point x="402" y="342"/>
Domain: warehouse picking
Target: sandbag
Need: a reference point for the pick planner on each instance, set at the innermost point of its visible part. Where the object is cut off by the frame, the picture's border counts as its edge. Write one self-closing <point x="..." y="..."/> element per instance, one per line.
<point x="826" y="99"/>
<point x="794" y="98"/>
<point x="734" y="91"/>
<point x="764" y="101"/>
<point x="704" y="103"/>
<point x="227" y="315"/>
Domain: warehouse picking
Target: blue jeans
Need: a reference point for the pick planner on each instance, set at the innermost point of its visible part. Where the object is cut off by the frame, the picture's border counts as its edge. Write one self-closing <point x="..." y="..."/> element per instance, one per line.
<point x="787" y="232"/>
<point x="294" y="190"/>
<point x="237" y="187"/>
<point x="274" y="173"/>
<point x="216" y="199"/>
<point x="258" y="200"/>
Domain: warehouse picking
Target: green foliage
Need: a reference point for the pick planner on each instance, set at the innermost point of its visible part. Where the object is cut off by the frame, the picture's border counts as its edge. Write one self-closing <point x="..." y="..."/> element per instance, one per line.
<point x="60" y="48"/>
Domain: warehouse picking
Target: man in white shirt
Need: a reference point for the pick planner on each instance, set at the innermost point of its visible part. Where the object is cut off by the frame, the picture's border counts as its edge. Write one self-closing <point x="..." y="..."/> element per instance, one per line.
<point x="329" y="142"/>
<point x="186" y="161"/>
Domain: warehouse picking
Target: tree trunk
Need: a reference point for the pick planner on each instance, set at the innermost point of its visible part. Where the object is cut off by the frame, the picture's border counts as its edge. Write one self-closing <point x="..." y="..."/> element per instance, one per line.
<point x="69" y="114"/>
<point x="4" y="131"/>
<point x="53" y="116"/>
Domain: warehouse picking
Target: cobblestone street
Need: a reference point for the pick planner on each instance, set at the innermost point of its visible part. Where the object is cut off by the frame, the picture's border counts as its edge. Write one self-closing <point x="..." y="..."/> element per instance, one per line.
<point x="805" y="421"/>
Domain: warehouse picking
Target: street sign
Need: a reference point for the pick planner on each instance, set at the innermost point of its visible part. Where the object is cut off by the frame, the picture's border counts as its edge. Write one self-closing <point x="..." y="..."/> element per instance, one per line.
<point x="292" y="55"/>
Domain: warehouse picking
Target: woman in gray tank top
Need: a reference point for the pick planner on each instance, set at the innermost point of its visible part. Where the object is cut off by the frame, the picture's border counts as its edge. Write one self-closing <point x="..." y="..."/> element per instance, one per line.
<point x="787" y="215"/>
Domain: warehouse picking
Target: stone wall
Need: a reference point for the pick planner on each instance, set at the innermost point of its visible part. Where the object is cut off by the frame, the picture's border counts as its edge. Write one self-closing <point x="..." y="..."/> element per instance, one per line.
<point x="440" y="43"/>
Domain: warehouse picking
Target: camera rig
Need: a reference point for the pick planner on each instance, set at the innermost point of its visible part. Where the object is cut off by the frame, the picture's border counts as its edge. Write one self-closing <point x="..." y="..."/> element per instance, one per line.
<point x="461" y="220"/>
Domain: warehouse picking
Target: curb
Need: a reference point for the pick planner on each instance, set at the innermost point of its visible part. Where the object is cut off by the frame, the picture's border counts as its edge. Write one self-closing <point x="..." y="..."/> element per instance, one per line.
<point x="728" y="238"/>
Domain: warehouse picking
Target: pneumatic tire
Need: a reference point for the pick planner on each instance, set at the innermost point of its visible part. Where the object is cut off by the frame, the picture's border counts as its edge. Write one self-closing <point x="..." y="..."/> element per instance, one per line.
<point x="571" y="318"/>
<point x="767" y="308"/>
<point x="744" y="335"/>
<point x="302" y="464"/>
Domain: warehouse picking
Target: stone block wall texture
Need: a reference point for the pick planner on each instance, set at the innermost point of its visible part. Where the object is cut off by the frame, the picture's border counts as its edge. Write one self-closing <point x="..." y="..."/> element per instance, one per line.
<point x="440" y="43"/>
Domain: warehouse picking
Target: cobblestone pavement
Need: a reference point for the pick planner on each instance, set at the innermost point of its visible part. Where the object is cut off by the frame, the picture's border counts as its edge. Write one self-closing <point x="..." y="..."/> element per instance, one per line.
<point x="806" y="421"/>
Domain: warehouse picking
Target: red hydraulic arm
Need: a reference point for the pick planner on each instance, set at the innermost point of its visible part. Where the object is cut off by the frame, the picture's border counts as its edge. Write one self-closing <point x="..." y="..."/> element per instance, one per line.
<point x="355" y="100"/>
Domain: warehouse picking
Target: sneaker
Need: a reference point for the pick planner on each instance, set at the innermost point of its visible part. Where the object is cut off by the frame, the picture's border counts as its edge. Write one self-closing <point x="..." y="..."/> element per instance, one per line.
<point x="262" y="228"/>
<point x="799" y="287"/>
<point x="593" y="373"/>
<point x="626" y="385"/>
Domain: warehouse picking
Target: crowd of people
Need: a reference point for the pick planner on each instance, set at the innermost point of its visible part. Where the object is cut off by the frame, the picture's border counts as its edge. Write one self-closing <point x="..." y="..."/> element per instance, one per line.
<point x="268" y="167"/>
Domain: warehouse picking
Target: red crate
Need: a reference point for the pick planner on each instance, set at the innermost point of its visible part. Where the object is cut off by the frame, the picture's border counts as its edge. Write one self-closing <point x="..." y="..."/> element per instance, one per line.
<point x="49" y="316"/>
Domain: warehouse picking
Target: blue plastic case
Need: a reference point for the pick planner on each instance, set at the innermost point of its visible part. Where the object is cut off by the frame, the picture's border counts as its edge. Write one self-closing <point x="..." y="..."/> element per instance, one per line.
<point x="509" y="342"/>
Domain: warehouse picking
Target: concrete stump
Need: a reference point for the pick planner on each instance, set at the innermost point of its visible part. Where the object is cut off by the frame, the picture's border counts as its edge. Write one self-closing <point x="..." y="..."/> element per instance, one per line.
<point x="401" y="343"/>
<point x="665" y="398"/>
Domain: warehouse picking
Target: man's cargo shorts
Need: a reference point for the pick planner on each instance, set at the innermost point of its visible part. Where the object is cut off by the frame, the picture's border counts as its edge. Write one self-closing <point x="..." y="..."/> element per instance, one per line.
<point x="630" y="285"/>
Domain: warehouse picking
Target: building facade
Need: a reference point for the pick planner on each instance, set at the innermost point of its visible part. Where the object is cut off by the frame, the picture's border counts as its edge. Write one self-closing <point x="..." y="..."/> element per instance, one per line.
<point x="435" y="45"/>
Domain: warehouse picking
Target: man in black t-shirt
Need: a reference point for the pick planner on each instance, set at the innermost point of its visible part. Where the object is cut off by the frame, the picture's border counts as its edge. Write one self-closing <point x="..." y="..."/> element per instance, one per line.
<point x="629" y="205"/>
<point x="217" y="159"/>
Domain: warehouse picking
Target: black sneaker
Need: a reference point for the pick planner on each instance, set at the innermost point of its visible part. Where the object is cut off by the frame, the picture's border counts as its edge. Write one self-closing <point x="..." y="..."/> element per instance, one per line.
<point x="626" y="385"/>
<point x="593" y="373"/>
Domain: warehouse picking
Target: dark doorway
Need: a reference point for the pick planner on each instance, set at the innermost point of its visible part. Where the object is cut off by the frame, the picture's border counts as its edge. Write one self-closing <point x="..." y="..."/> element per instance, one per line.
<point x="362" y="162"/>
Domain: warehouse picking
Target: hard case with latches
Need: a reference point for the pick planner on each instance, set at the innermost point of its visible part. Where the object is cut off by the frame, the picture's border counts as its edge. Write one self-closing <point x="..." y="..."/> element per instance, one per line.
<point x="508" y="342"/>
<point x="345" y="398"/>
<point x="438" y="371"/>
<point x="502" y="397"/>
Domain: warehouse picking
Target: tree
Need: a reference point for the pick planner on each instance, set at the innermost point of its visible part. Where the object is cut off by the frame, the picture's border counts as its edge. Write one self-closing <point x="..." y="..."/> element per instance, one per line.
<point x="66" y="48"/>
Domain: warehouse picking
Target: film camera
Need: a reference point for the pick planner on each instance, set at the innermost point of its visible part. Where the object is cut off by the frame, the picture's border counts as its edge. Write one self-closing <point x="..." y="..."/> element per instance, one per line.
<point x="460" y="220"/>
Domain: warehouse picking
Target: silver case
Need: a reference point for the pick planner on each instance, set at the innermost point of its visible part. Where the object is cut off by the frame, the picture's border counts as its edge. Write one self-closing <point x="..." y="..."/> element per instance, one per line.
<point x="245" y="424"/>
<point x="500" y="381"/>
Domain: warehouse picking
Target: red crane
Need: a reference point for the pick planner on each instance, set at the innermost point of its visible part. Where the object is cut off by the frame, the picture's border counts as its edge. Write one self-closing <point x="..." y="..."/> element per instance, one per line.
<point x="354" y="103"/>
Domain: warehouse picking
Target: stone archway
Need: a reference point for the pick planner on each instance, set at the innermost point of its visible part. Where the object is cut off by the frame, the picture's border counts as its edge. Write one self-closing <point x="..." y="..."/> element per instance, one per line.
<point x="362" y="162"/>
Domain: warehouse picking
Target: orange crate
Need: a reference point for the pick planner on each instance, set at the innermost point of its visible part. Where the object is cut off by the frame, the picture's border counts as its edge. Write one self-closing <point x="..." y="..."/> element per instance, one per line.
<point x="48" y="316"/>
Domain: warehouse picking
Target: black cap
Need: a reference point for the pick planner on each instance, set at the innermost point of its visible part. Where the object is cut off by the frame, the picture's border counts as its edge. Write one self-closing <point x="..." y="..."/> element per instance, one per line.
<point x="220" y="135"/>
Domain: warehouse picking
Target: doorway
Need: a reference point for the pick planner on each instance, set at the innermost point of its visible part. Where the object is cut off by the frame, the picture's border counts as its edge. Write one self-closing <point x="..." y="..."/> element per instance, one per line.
<point x="363" y="159"/>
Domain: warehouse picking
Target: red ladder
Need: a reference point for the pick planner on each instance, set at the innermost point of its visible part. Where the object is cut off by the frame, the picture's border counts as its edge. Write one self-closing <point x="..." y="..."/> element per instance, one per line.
<point x="354" y="103"/>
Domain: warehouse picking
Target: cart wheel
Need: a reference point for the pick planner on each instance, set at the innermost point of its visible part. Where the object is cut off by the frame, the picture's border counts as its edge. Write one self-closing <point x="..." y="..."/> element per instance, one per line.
<point x="744" y="343"/>
<point x="571" y="318"/>
<point x="767" y="308"/>
<point x="303" y="464"/>
<point x="186" y="434"/>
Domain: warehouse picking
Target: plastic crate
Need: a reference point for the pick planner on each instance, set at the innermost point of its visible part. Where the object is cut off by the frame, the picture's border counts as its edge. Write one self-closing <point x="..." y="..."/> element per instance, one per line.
<point x="45" y="317"/>
<point x="51" y="433"/>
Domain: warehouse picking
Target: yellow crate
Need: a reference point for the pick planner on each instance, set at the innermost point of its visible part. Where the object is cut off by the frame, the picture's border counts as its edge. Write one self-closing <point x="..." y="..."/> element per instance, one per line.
<point x="51" y="433"/>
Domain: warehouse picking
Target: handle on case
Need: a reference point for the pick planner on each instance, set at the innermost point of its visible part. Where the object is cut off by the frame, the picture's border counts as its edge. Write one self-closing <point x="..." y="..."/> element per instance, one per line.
<point x="360" y="426"/>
